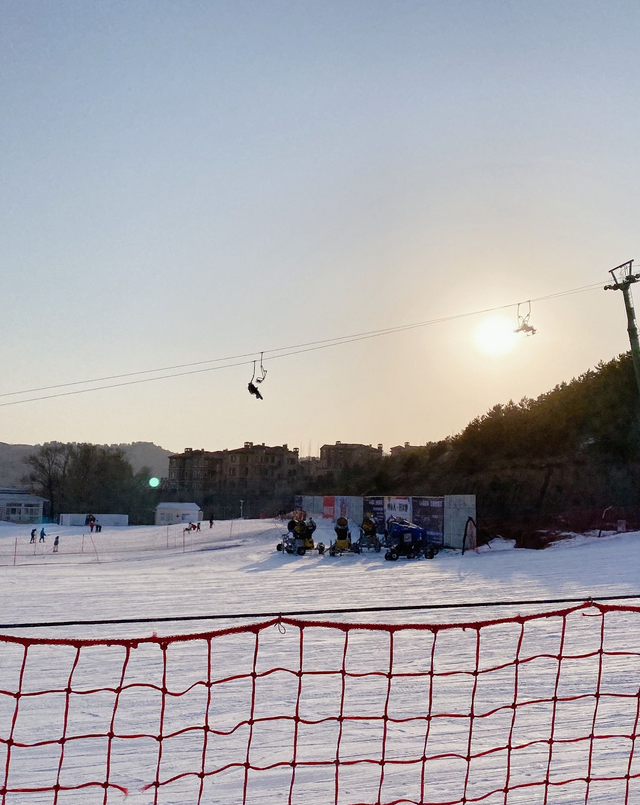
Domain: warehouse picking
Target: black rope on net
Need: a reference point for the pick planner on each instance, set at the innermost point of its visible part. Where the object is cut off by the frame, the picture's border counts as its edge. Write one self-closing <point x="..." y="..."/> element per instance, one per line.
<point x="308" y="612"/>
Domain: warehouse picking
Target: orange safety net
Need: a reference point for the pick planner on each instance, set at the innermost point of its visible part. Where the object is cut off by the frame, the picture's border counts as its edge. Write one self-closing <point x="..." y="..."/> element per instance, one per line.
<point x="544" y="706"/>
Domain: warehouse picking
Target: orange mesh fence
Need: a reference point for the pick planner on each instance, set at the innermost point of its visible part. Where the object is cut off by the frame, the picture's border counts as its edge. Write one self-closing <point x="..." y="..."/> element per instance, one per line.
<point x="538" y="708"/>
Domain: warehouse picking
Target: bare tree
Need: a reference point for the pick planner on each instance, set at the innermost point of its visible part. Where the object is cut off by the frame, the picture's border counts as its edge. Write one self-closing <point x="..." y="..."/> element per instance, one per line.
<point x="48" y="473"/>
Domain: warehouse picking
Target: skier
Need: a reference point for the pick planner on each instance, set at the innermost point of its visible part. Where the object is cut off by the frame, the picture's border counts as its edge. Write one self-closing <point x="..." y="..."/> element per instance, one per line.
<point x="34" y="531"/>
<point x="211" y="522"/>
<point x="42" y="535"/>
<point x="55" y="544"/>
<point x="198" y="526"/>
<point x="254" y="390"/>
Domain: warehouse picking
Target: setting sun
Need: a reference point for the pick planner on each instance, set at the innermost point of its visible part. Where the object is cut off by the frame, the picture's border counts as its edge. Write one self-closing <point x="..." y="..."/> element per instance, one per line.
<point x="495" y="336"/>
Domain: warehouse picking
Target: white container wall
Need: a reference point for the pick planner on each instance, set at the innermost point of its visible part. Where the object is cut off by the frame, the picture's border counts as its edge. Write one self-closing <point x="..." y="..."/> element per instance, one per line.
<point x="312" y="505"/>
<point x="457" y="510"/>
<point x="105" y="520"/>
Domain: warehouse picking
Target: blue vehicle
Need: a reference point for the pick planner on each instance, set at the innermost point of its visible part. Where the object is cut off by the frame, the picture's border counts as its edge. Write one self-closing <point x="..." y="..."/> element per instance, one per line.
<point x="409" y="540"/>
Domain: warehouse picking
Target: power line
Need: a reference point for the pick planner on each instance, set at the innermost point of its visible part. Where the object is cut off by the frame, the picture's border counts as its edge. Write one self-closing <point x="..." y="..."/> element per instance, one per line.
<point x="295" y="349"/>
<point x="584" y="599"/>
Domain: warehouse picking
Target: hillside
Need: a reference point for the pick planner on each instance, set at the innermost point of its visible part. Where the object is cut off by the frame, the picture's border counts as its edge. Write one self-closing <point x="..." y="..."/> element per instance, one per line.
<point x="140" y="454"/>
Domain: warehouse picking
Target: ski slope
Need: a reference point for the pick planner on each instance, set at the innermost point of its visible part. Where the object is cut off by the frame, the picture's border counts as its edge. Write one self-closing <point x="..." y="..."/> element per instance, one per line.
<point x="234" y="568"/>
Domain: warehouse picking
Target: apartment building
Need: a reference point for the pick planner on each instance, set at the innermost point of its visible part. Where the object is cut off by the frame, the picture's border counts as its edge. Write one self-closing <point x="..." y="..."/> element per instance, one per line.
<point x="341" y="455"/>
<point x="252" y="469"/>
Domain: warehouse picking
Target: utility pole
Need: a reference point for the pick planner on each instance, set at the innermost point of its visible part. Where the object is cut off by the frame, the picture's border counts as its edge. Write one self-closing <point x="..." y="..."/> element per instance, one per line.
<point x="242" y="509"/>
<point x="623" y="278"/>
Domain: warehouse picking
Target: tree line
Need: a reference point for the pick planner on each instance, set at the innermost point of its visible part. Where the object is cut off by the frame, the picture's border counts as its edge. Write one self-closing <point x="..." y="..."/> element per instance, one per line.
<point x="90" y="478"/>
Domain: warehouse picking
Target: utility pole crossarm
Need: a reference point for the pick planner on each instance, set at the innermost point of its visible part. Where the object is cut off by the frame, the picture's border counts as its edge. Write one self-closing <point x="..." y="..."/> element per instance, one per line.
<point x="623" y="278"/>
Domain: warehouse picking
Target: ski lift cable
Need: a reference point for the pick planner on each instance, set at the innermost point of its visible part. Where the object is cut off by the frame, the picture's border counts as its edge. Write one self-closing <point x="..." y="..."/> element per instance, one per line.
<point x="284" y="352"/>
<point x="383" y="331"/>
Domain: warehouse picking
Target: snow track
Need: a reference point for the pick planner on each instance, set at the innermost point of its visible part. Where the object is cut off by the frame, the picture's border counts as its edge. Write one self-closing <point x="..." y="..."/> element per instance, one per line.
<point x="150" y="572"/>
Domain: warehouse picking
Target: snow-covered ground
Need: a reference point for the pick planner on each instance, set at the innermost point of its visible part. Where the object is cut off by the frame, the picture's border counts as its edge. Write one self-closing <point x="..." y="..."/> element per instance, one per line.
<point x="234" y="568"/>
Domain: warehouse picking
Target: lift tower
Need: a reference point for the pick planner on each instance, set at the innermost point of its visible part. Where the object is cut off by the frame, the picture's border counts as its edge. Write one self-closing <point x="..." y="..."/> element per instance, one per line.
<point x="623" y="278"/>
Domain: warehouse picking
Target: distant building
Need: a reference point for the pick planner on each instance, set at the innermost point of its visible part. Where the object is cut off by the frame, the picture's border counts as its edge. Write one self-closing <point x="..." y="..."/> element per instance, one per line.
<point x="20" y="506"/>
<point x="405" y="448"/>
<point x="312" y="466"/>
<point x="194" y="471"/>
<point x="339" y="456"/>
<point x="172" y="513"/>
<point x="254" y="469"/>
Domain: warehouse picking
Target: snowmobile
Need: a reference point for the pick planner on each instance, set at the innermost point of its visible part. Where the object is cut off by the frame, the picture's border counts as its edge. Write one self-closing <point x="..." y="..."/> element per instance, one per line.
<point x="342" y="543"/>
<point x="369" y="538"/>
<point x="408" y="540"/>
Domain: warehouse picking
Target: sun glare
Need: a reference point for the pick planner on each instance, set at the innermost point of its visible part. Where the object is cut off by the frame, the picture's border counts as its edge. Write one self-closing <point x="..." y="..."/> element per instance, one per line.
<point x="495" y="336"/>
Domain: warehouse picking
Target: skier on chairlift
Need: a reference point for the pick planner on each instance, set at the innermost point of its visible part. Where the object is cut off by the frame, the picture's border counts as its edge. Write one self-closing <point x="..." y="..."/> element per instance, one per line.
<point x="523" y="320"/>
<point x="253" y="387"/>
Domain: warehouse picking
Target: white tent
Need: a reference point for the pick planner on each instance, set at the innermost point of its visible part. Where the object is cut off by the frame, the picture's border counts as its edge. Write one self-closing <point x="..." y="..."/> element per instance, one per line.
<point x="169" y="513"/>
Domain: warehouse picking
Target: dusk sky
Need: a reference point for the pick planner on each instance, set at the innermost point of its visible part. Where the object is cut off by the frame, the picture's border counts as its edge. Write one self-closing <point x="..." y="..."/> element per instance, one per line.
<point x="183" y="181"/>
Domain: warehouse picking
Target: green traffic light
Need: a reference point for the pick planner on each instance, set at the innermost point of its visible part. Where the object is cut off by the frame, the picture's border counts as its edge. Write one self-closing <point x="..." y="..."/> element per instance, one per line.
<point x="154" y="482"/>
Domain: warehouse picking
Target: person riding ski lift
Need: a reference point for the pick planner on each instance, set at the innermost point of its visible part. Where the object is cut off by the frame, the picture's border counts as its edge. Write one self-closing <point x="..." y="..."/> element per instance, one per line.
<point x="253" y="387"/>
<point x="523" y="320"/>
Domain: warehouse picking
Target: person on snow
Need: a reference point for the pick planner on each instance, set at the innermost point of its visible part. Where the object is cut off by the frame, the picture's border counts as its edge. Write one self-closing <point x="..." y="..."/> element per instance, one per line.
<point x="211" y="522"/>
<point x="56" y="542"/>
<point x="254" y="390"/>
<point x="42" y="535"/>
<point x="198" y="526"/>
<point x="34" y="531"/>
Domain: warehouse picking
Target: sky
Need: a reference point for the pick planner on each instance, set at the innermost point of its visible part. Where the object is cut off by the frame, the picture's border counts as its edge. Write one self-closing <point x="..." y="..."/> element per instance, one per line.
<point x="189" y="180"/>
